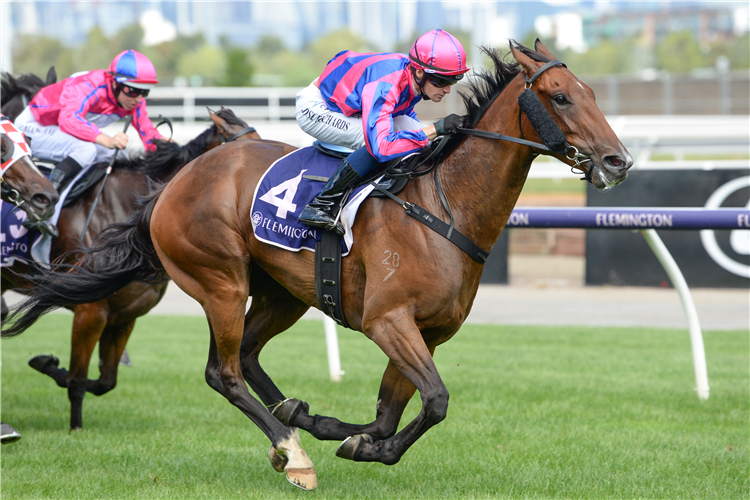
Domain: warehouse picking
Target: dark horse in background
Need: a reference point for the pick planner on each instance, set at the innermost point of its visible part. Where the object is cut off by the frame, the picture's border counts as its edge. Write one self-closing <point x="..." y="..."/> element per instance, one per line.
<point x="110" y="320"/>
<point x="207" y="246"/>
<point x="17" y="91"/>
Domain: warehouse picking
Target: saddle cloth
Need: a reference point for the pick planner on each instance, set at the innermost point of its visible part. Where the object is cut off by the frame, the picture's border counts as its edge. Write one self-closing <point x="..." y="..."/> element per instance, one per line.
<point x="284" y="191"/>
<point x="14" y="238"/>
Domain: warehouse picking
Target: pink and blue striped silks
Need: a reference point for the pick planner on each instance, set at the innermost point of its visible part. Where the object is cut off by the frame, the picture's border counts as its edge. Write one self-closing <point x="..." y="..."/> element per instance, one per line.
<point x="378" y="86"/>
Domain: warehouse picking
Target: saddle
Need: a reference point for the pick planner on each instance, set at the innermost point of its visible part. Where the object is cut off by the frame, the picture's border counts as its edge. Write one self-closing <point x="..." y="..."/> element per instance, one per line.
<point x="88" y="179"/>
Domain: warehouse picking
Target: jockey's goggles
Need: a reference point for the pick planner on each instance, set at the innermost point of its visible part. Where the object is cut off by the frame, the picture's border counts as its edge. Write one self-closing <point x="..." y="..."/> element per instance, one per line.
<point x="134" y="92"/>
<point x="443" y="80"/>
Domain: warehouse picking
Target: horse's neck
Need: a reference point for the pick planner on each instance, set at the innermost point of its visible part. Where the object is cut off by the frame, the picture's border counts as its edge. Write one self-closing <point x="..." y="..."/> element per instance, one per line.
<point x="483" y="178"/>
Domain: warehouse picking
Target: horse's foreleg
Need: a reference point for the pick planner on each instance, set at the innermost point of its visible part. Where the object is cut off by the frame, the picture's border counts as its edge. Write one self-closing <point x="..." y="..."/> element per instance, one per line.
<point x="402" y="342"/>
<point x="111" y="346"/>
<point x="88" y="324"/>
<point x="395" y="393"/>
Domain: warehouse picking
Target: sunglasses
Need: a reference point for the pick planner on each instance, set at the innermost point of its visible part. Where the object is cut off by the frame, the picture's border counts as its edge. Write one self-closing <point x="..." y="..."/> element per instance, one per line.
<point x="443" y="80"/>
<point x="134" y="92"/>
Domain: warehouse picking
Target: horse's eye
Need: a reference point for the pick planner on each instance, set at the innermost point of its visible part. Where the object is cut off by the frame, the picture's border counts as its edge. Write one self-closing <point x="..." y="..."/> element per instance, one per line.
<point x="560" y="99"/>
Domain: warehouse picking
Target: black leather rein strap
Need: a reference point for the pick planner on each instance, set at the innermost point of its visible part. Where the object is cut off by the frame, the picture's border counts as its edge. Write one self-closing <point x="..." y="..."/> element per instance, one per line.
<point x="244" y="131"/>
<point x="440" y="227"/>
<point x="501" y="137"/>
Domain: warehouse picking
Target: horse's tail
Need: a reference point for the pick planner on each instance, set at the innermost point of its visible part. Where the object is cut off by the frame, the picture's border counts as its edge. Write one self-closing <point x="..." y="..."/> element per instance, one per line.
<point x="121" y="254"/>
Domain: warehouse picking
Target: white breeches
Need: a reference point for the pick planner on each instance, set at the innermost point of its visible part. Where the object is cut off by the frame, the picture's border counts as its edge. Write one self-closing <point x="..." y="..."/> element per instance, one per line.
<point x="315" y="119"/>
<point x="51" y="143"/>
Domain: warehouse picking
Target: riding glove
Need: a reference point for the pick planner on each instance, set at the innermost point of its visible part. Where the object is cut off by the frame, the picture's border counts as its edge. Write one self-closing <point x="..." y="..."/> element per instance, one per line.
<point x="449" y="124"/>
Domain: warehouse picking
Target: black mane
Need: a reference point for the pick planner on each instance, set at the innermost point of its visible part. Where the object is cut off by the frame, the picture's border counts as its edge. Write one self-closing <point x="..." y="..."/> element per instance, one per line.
<point x="486" y="85"/>
<point x="168" y="154"/>
<point x="12" y="86"/>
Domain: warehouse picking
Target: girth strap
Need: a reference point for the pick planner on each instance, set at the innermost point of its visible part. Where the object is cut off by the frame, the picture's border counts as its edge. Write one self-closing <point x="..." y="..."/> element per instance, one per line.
<point x="328" y="276"/>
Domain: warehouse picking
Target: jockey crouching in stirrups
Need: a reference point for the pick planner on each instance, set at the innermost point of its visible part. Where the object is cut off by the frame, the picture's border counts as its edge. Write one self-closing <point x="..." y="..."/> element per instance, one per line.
<point x="63" y="119"/>
<point x="365" y="102"/>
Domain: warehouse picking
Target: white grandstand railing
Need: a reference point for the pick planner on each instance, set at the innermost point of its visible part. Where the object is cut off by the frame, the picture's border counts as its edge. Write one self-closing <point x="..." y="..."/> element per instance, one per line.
<point x="191" y="101"/>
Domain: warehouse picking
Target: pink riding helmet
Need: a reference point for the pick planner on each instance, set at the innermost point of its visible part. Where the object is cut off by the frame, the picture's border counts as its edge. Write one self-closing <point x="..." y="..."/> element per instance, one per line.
<point x="438" y="51"/>
<point x="134" y="69"/>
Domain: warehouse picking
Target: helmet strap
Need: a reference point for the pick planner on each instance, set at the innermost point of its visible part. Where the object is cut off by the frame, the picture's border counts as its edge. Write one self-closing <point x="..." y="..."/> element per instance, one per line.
<point x="116" y="89"/>
<point x="420" y="83"/>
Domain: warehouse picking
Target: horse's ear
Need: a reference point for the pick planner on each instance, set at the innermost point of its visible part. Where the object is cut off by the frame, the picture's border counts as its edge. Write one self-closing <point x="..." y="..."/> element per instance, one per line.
<point x="51" y="76"/>
<point x="528" y="64"/>
<point x="221" y="123"/>
<point x="542" y="49"/>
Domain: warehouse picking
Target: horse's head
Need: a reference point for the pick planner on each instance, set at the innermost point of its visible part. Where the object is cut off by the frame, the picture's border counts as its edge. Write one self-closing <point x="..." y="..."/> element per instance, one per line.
<point x="589" y="142"/>
<point x="23" y="185"/>
<point x="230" y="127"/>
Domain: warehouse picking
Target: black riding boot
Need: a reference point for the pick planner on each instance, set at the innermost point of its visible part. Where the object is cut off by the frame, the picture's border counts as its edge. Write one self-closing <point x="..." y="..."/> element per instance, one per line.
<point x="322" y="211"/>
<point x="64" y="172"/>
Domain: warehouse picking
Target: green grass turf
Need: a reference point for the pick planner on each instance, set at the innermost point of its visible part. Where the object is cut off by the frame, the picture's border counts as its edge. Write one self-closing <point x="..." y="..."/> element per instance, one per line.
<point x="535" y="412"/>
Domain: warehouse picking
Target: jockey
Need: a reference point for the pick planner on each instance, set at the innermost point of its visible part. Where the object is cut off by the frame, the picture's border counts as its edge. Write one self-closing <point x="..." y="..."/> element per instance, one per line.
<point x="365" y="102"/>
<point x="64" y="119"/>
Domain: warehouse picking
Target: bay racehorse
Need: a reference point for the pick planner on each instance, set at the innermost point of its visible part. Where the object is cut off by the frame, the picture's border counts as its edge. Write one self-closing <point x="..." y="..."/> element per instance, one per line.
<point x="110" y="321"/>
<point x="206" y="244"/>
<point x="21" y="182"/>
<point x="17" y="91"/>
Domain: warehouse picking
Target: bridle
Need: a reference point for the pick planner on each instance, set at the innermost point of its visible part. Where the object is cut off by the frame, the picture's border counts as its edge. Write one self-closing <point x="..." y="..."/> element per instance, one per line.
<point x="570" y="151"/>
<point x="12" y="194"/>
<point x="244" y="131"/>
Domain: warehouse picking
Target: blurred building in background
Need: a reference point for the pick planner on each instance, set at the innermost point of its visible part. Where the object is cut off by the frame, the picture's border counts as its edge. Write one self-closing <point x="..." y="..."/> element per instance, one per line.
<point x="383" y="23"/>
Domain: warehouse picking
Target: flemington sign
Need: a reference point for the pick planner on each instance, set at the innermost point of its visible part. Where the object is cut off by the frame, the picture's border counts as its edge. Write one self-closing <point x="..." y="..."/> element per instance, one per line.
<point x="708" y="233"/>
<point x="631" y="218"/>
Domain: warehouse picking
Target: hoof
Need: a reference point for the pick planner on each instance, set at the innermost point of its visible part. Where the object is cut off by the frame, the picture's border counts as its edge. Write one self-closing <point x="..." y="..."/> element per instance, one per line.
<point x="44" y="362"/>
<point x="288" y="409"/>
<point x="349" y="447"/>
<point x="278" y="462"/>
<point x="303" y="478"/>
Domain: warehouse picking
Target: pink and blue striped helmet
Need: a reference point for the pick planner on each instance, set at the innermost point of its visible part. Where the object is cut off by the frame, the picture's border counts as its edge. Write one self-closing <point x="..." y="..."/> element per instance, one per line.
<point x="133" y="69"/>
<point x="439" y="52"/>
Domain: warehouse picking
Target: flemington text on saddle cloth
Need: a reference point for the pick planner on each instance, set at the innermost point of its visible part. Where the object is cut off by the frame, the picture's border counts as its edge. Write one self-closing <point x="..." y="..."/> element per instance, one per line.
<point x="284" y="191"/>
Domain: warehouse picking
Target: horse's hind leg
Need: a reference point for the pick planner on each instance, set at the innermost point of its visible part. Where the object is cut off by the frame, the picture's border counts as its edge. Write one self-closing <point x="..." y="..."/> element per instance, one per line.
<point x="222" y="289"/>
<point x="270" y="314"/>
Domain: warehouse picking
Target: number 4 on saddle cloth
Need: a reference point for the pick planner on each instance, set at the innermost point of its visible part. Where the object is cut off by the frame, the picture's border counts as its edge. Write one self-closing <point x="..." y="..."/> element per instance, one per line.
<point x="286" y="188"/>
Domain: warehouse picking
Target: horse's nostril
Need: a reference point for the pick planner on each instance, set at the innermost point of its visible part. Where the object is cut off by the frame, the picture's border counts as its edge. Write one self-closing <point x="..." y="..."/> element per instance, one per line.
<point x="616" y="162"/>
<point x="41" y="200"/>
